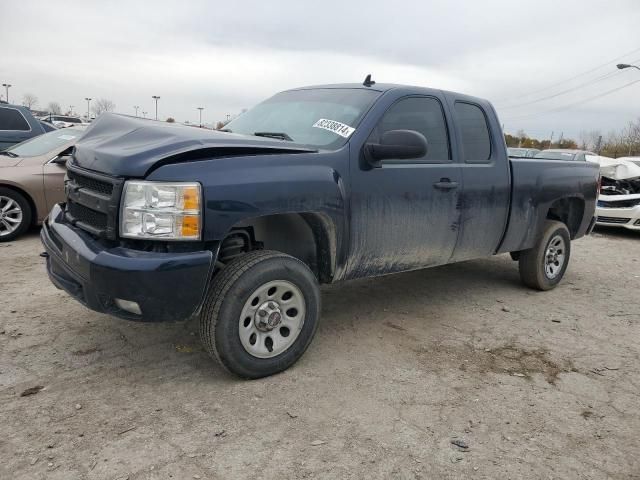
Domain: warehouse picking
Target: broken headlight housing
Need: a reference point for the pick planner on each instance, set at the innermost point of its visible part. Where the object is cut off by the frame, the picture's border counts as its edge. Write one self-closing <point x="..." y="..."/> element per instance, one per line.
<point x="161" y="211"/>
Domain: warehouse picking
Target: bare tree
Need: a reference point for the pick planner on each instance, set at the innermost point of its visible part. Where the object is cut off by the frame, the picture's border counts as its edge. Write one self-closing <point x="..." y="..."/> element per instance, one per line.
<point x="102" y="105"/>
<point x="171" y="120"/>
<point x="521" y="136"/>
<point x="589" y="139"/>
<point x="54" y="107"/>
<point x="29" y="100"/>
<point x="219" y="125"/>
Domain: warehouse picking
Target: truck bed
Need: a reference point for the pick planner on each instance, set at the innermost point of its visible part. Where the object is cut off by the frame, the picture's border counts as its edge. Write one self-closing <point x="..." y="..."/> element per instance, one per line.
<point x="537" y="184"/>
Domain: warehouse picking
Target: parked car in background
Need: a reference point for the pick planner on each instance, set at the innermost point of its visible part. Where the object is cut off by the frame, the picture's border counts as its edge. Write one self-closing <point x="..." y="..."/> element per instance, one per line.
<point x="18" y="124"/>
<point x="522" y="152"/>
<point x="63" y="121"/>
<point x="635" y="160"/>
<point x="32" y="179"/>
<point x="619" y="199"/>
<point x="564" y="154"/>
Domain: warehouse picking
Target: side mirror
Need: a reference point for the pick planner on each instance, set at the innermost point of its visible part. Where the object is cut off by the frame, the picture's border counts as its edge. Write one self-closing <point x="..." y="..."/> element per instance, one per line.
<point x="61" y="159"/>
<point x="396" y="144"/>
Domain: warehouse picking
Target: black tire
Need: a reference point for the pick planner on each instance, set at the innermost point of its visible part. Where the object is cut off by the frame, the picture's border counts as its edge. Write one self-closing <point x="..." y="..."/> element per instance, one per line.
<point x="533" y="262"/>
<point x="26" y="214"/>
<point x="227" y="295"/>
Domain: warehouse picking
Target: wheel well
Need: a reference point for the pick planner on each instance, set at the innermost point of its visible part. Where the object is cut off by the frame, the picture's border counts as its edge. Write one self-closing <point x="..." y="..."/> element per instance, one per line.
<point x="568" y="211"/>
<point x="309" y="237"/>
<point x="32" y="204"/>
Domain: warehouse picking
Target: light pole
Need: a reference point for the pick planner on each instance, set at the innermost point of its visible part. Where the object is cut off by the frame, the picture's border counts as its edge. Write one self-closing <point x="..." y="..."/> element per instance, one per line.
<point x="144" y="114"/>
<point x="622" y="66"/>
<point x="200" y="108"/>
<point x="6" y="87"/>
<point x="156" y="98"/>
<point x="136" y="107"/>
<point x="71" y="109"/>
<point x="88" y="102"/>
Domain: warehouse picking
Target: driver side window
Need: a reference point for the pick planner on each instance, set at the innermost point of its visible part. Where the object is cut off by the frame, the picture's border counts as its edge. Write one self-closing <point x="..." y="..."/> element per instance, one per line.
<point x="424" y="115"/>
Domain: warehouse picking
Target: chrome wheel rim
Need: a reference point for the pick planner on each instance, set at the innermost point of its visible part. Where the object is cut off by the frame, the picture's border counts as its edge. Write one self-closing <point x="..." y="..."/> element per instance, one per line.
<point x="10" y="216"/>
<point x="272" y="319"/>
<point x="554" y="257"/>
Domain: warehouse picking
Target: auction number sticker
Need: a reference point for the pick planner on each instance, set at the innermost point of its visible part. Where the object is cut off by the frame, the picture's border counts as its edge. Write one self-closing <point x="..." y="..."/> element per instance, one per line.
<point x="336" y="127"/>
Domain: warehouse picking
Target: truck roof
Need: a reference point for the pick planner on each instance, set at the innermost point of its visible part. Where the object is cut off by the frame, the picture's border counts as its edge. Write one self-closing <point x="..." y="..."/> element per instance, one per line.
<point x="385" y="87"/>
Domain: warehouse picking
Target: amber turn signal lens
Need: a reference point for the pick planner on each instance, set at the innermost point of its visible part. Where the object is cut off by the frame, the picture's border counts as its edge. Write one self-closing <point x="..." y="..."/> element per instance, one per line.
<point x="191" y="198"/>
<point x="190" y="226"/>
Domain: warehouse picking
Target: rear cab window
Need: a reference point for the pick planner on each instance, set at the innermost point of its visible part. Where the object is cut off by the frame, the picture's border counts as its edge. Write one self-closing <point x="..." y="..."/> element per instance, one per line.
<point x="474" y="132"/>
<point x="12" y="119"/>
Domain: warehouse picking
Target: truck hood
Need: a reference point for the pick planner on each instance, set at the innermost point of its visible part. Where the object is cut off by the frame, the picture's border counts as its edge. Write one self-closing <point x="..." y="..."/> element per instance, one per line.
<point x="125" y="146"/>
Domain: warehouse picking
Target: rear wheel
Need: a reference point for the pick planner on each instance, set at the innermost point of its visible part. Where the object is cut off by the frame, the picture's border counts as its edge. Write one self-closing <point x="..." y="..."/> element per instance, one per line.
<point x="15" y="214"/>
<point x="260" y="314"/>
<point x="543" y="266"/>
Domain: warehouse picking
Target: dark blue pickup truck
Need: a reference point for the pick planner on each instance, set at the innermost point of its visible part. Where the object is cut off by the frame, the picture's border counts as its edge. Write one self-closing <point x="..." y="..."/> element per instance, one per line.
<point x="314" y="185"/>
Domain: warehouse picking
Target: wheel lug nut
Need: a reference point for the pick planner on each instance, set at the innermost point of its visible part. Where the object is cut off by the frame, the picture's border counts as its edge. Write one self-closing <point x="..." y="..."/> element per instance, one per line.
<point x="262" y="313"/>
<point x="272" y="305"/>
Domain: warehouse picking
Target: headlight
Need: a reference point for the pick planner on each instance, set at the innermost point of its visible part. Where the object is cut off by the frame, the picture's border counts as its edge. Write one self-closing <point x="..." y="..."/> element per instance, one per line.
<point x="161" y="211"/>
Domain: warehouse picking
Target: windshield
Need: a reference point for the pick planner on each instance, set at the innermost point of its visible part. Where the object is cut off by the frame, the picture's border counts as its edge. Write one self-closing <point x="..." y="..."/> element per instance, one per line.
<point x="550" y="155"/>
<point x="45" y="143"/>
<point x="321" y="118"/>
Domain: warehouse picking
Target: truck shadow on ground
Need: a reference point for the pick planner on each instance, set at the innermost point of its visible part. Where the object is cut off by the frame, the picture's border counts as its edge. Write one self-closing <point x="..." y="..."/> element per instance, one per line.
<point x="353" y="308"/>
<point x="421" y="292"/>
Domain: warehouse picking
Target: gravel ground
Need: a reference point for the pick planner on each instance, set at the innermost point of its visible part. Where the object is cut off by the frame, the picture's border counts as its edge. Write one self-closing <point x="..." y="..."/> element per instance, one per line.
<point x="536" y="385"/>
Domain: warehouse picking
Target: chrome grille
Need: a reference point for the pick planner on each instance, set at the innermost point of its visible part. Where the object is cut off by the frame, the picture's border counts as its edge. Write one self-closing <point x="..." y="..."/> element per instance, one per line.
<point x="91" y="183"/>
<point x="92" y="201"/>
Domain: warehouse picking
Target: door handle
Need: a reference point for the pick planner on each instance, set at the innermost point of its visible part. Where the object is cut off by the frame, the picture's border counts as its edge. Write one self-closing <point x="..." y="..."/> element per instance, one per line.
<point x="445" y="184"/>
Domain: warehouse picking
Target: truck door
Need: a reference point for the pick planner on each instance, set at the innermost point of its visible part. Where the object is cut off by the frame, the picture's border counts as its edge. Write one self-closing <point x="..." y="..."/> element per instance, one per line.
<point x="403" y="214"/>
<point x="485" y="196"/>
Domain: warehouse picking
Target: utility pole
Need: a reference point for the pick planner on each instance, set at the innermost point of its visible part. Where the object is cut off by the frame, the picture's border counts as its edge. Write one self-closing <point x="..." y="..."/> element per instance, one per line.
<point x="136" y="107"/>
<point x="6" y="87"/>
<point x="88" y="99"/>
<point x="599" y="144"/>
<point x="200" y="108"/>
<point x="551" y="140"/>
<point x="156" y="98"/>
<point x="560" y="141"/>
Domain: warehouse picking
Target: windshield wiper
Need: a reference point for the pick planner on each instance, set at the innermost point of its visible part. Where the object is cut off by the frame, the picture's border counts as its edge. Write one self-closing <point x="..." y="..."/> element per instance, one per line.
<point x="9" y="154"/>
<point x="278" y="135"/>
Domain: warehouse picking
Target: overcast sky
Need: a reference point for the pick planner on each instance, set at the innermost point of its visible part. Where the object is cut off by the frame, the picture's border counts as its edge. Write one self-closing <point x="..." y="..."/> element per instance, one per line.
<point x="225" y="56"/>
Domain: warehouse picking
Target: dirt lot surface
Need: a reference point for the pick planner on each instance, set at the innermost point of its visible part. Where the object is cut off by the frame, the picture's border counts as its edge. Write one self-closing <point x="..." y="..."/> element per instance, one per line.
<point x="537" y="385"/>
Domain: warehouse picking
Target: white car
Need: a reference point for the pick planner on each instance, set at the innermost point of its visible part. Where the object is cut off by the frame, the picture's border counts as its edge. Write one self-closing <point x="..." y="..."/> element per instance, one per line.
<point x="635" y="160"/>
<point x="63" y="121"/>
<point x="619" y="199"/>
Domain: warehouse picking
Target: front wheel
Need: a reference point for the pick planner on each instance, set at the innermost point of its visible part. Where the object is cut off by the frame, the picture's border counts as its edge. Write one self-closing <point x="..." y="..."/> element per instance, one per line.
<point x="543" y="266"/>
<point x="260" y="314"/>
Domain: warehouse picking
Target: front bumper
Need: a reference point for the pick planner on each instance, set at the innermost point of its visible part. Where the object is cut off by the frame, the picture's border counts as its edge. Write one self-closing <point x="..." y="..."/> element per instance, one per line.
<point x="619" y="217"/>
<point x="166" y="286"/>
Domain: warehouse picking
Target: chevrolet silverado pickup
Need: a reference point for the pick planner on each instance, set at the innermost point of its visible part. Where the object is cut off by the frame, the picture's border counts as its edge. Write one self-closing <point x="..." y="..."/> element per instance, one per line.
<point x="315" y="185"/>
